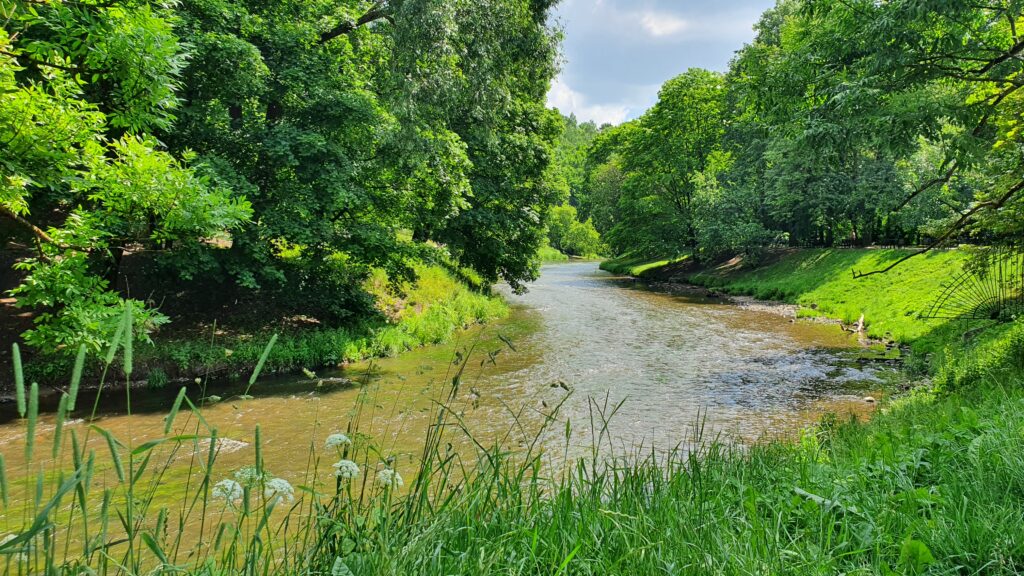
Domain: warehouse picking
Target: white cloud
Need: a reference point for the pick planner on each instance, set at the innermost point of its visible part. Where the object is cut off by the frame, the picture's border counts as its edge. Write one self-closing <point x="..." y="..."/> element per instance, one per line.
<point x="661" y="25"/>
<point x="568" y="101"/>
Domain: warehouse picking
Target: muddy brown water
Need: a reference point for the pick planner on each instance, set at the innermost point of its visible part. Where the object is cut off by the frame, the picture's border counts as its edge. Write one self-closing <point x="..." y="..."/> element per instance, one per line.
<point x="581" y="337"/>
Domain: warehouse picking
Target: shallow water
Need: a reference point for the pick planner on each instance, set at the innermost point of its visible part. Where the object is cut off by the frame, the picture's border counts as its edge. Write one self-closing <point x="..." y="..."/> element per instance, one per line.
<point x="579" y="336"/>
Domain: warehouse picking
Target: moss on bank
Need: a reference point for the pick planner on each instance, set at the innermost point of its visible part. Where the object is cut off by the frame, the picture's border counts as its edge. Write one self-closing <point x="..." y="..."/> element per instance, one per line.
<point x="429" y="311"/>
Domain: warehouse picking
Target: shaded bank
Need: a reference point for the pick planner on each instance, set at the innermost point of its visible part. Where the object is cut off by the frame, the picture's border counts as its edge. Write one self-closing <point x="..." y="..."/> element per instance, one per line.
<point x="227" y="343"/>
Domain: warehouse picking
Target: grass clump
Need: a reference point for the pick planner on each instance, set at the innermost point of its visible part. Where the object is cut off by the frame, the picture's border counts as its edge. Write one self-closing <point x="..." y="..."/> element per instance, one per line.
<point x="549" y="255"/>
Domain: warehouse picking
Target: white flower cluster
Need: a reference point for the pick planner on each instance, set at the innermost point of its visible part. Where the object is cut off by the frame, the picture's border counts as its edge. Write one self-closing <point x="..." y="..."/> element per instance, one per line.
<point x="248" y="476"/>
<point x="338" y="440"/>
<point x="228" y="490"/>
<point x="390" y="478"/>
<point x="346" y="469"/>
<point x="279" y="487"/>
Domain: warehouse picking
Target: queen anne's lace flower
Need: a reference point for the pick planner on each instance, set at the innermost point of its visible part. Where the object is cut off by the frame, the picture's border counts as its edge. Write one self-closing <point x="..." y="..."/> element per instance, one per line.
<point x="279" y="487"/>
<point x="346" y="469"/>
<point x="249" y="476"/>
<point x="390" y="478"/>
<point x="228" y="489"/>
<point x="338" y="440"/>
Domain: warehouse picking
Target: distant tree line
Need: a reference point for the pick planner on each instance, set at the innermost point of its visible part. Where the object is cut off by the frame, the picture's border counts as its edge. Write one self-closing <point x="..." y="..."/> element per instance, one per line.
<point x="849" y="122"/>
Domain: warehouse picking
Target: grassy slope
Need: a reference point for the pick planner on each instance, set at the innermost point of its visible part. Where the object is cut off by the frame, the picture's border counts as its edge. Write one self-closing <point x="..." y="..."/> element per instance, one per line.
<point x="429" y="312"/>
<point x="547" y="254"/>
<point x="637" y="265"/>
<point x="822" y="281"/>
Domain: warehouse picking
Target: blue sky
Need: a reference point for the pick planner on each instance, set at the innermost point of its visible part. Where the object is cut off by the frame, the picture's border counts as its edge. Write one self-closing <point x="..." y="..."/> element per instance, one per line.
<point x="618" y="53"/>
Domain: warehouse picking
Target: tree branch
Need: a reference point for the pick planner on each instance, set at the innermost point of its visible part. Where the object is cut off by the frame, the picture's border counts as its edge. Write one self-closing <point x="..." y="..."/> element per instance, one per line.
<point x="378" y="12"/>
<point x="37" y="231"/>
<point x="956" y="227"/>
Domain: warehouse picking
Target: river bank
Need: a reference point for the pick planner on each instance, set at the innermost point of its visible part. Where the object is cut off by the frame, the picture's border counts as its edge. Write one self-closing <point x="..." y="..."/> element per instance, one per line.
<point x="891" y="307"/>
<point x="227" y="345"/>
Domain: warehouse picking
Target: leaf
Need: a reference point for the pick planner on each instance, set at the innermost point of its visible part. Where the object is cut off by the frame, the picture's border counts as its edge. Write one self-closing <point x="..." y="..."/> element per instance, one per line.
<point x="340" y="568"/>
<point x="915" y="556"/>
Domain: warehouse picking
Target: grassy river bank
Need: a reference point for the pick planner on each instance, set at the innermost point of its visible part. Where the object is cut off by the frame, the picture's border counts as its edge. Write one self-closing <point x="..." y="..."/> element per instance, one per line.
<point x="933" y="484"/>
<point x="226" y="345"/>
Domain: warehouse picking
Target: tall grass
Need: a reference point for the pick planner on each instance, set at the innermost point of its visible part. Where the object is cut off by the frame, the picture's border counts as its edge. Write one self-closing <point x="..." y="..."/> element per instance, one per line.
<point x="932" y="485"/>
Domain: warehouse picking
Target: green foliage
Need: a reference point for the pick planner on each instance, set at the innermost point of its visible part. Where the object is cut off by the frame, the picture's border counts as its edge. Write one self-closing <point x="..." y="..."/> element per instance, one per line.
<point x="307" y="144"/>
<point x="568" y="235"/>
<point x="81" y="87"/>
<point x="842" y="123"/>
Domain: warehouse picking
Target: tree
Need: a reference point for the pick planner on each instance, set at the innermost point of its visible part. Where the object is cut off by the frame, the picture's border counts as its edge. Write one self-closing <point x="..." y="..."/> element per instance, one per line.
<point x="81" y="87"/>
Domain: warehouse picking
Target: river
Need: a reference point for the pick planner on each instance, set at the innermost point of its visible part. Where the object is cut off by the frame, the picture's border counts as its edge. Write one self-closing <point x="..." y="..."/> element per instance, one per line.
<point x="579" y="338"/>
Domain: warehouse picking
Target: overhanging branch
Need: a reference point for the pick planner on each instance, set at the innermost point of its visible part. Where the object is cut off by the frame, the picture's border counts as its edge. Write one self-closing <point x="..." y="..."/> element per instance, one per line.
<point x="956" y="227"/>
<point x="378" y="12"/>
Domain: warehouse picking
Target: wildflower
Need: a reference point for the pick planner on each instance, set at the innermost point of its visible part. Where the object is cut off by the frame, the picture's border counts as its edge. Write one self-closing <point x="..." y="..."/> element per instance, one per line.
<point x="346" y="469"/>
<point x="279" y="487"/>
<point x="338" y="440"/>
<point x="228" y="489"/>
<point x="249" y="476"/>
<point x="390" y="478"/>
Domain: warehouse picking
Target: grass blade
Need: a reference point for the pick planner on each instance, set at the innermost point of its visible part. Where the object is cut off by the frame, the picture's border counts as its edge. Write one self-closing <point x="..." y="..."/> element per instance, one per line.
<point x="112" y="443"/>
<point x="33" y="417"/>
<point x="128" y="338"/>
<point x="62" y="409"/>
<point x="76" y="378"/>
<point x="115" y="342"/>
<point x="3" y="480"/>
<point x="169" y="420"/>
<point x="19" y="379"/>
<point x="263" y="360"/>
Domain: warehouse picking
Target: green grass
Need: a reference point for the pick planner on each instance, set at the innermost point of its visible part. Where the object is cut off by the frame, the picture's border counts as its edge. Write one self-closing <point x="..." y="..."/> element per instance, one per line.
<point x="547" y="255"/>
<point x="429" y="311"/>
<point x="638" y="265"/>
<point x="823" y="280"/>
<point x="932" y="485"/>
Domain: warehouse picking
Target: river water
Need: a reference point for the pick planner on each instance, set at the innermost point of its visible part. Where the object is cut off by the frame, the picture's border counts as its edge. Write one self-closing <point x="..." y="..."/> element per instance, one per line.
<point x="580" y="338"/>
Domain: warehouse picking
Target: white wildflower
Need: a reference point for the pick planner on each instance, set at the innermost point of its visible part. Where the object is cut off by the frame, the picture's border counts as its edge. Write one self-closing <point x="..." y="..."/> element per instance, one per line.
<point x="338" y="440"/>
<point x="249" y="476"/>
<point x="279" y="487"/>
<point x="229" y="490"/>
<point x="346" y="469"/>
<point x="390" y="478"/>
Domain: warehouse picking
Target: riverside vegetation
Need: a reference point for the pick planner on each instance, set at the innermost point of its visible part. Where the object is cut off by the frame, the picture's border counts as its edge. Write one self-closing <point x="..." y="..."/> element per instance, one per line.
<point x="357" y="174"/>
<point x="932" y="484"/>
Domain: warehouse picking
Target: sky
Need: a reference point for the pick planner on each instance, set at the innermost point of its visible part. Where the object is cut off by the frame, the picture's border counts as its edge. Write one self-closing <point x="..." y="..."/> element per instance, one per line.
<point x="618" y="53"/>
